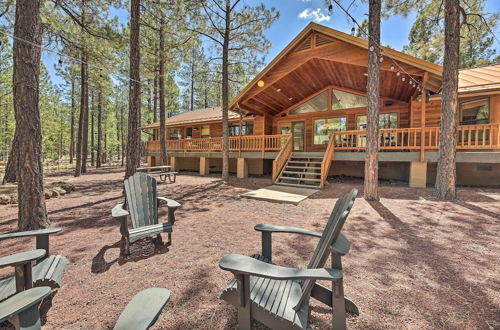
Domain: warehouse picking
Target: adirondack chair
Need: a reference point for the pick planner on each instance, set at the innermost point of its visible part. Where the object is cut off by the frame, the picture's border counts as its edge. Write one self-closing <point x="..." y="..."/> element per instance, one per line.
<point x="279" y="296"/>
<point x="141" y="312"/>
<point x="48" y="270"/>
<point x="142" y="204"/>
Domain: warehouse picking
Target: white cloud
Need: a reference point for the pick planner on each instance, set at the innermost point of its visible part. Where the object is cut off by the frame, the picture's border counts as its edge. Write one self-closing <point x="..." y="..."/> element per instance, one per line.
<point x="305" y="0"/>
<point x="316" y="15"/>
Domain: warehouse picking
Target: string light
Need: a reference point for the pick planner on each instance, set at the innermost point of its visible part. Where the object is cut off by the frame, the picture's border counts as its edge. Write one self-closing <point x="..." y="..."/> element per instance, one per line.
<point x="398" y="73"/>
<point x="392" y="67"/>
<point x="403" y="79"/>
<point x="70" y="58"/>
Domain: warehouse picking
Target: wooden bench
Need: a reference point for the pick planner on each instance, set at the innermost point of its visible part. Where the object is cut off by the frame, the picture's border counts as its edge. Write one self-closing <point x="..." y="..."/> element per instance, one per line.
<point x="22" y="309"/>
<point x="48" y="270"/>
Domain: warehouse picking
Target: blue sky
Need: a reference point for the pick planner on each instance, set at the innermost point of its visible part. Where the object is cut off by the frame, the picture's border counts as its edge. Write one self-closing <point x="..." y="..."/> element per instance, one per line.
<point x="296" y="14"/>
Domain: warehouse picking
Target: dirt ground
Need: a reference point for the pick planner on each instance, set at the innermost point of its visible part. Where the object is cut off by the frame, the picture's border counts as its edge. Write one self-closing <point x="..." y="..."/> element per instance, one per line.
<point x="415" y="263"/>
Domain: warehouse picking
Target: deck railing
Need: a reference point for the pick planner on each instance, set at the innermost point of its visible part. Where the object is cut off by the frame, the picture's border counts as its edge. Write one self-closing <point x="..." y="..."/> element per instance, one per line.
<point x="236" y="143"/>
<point x="327" y="160"/>
<point x="282" y="158"/>
<point x="469" y="137"/>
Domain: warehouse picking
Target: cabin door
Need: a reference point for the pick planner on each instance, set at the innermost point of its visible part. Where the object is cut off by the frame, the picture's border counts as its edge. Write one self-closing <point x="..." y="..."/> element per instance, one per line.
<point x="298" y="130"/>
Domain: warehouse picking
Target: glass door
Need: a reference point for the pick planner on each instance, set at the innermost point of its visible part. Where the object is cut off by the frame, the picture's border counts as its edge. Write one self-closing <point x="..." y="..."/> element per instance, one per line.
<point x="298" y="129"/>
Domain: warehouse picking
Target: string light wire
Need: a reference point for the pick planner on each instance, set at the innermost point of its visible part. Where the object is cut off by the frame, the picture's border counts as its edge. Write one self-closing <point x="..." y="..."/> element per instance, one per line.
<point x="71" y="58"/>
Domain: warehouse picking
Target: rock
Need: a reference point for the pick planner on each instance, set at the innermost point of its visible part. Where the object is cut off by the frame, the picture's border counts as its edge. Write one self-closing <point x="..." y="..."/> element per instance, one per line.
<point x="68" y="187"/>
<point x="4" y="199"/>
<point x="47" y="193"/>
<point x="13" y="199"/>
<point x="59" y="191"/>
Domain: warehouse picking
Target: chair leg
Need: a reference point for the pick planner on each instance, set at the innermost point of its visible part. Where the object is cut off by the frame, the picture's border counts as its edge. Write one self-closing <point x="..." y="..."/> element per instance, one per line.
<point x="29" y="319"/>
<point x="127" y="246"/>
<point x="169" y="235"/>
<point x="338" y="306"/>
<point x="244" y="308"/>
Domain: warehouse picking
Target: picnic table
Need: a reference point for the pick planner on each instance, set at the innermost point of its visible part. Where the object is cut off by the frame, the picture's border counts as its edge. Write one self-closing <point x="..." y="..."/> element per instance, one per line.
<point x="162" y="171"/>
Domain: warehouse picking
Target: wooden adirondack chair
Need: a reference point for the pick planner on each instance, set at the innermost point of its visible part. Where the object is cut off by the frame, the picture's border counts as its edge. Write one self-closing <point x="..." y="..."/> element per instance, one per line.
<point x="142" y="204"/>
<point x="47" y="271"/>
<point x="141" y="312"/>
<point x="279" y="296"/>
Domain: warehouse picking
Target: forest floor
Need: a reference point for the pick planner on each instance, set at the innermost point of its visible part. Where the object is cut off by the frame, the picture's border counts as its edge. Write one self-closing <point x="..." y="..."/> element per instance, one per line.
<point x="415" y="262"/>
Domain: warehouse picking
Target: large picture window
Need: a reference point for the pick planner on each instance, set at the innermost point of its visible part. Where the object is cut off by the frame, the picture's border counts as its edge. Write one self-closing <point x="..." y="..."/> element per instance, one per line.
<point x="324" y="127"/>
<point x="316" y="104"/>
<point x="175" y="134"/>
<point x="246" y="129"/>
<point x="344" y="100"/>
<point x="475" y="112"/>
<point x="385" y="120"/>
<point x="205" y="131"/>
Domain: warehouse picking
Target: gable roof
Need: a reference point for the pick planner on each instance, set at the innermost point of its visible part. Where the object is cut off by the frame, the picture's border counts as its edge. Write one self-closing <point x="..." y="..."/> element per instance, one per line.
<point x="485" y="77"/>
<point x="434" y="70"/>
<point x="195" y="116"/>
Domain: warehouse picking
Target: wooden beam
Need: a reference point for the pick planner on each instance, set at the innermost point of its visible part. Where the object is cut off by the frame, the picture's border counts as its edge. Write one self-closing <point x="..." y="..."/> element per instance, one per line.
<point x="422" y="117"/>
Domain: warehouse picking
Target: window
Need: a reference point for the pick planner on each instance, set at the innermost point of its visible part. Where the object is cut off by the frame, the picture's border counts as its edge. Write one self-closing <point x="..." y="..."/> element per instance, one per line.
<point x="247" y="129"/>
<point x="189" y="132"/>
<point x="316" y="104"/>
<point x="386" y="120"/>
<point x="475" y="112"/>
<point x="324" y="127"/>
<point x="175" y="134"/>
<point x="344" y="100"/>
<point x="205" y="131"/>
<point x="285" y="129"/>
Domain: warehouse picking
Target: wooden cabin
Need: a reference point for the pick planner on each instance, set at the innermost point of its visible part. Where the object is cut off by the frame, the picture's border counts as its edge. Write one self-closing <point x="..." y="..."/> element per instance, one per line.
<point x="309" y="106"/>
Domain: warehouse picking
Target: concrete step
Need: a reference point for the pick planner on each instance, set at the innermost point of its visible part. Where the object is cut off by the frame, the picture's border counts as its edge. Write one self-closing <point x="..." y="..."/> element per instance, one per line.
<point x="299" y="179"/>
<point x="297" y="185"/>
<point x="301" y="173"/>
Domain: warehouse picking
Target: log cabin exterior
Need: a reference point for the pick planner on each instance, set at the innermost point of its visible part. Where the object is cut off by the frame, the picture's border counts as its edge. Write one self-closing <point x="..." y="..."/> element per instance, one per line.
<point x="309" y="105"/>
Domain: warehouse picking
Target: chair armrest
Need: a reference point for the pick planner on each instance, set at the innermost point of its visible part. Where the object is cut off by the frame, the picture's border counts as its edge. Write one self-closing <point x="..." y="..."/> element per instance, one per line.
<point x="341" y="245"/>
<point x="21" y="258"/>
<point x="22" y="301"/>
<point x="29" y="233"/>
<point x="285" y="229"/>
<point x="119" y="211"/>
<point x="170" y="202"/>
<point x="242" y="265"/>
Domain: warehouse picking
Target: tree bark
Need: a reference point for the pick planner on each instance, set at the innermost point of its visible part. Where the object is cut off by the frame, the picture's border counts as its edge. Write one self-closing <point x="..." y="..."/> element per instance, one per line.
<point x="32" y="212"/>
<point x="161" y="78"/>
<point x="72" y="124"/>
<point x="225" y="93"/>
<point x="446" y="168"/>
<point x="122" y="131"/>
<point x="155" y="104"/>
<point x="99" y="128"/>
<point x="373" y="109"/>
<point x="11" y="168"/>
<point x="83" y="109"/>
<point x="85" y="129"/>
<point x="192" y="79"/>
<point x="92" y="140"/>
<point x="133" y="139"/>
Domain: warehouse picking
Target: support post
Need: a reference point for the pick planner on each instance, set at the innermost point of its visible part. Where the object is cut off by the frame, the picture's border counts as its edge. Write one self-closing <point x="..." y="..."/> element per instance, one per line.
<point x="151" y="161"/>
<point x="204" y="166"/>
<point x="242" y="168"/>
<point x="174" y="163"/>
<point x="418" y="174"/>
<point x="422" y="117"/>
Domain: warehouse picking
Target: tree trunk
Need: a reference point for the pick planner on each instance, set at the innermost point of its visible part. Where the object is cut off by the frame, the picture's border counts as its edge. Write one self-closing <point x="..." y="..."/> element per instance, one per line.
<point x="92" y="142"/>
<point x="163" y="133"/>
<point x="122" y="131"/>
<point x="72" y="124"/>
<point x="192" y="79"/>
<point x="225" y="94"/>
<point x="134" y="119"/>
<point x="32" y="212"/>
<point x="81" y="122"/>
<point x="99" y="128"/>
<point x="11" y="168"/>
<point x="85" y="131"/>
<point x="373" y="109"/>
<point x="446" y="168"/>
<point x="155" y="104"/>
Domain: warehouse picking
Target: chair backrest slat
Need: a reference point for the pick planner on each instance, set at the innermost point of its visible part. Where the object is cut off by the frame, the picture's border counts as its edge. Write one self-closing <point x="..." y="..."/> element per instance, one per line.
<point x="141" y="194"/>
<point x="332" y="231"/>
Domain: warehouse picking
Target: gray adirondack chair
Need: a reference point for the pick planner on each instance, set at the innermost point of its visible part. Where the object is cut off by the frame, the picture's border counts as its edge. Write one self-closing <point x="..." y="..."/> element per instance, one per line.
<point x="142" y="204"/>
<point x="47" y="271"/>
<point x="140" y="313"/>
<point x="279" y="296"/>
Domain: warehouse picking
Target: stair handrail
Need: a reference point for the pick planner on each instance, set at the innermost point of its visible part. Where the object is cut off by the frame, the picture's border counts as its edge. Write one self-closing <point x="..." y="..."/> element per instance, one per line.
<point x="283" y="156"/>
<point x="327" y="160"/>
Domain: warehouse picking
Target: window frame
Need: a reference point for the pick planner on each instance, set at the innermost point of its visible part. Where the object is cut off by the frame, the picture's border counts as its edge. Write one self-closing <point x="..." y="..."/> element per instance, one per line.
<point x="178" y="136"/>
<point x="201" y="132"/>
<point x="460" y="111"/>
<point x="314" y="128"/>
<point x="380" y="114"/>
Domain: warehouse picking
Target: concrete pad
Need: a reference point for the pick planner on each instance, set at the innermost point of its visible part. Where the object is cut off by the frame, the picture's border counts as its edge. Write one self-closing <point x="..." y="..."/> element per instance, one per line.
<point x="283" y="194"/>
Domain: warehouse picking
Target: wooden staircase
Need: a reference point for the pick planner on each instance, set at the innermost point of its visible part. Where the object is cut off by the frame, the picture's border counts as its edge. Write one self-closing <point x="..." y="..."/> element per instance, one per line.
<point x="302" y="170"/>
